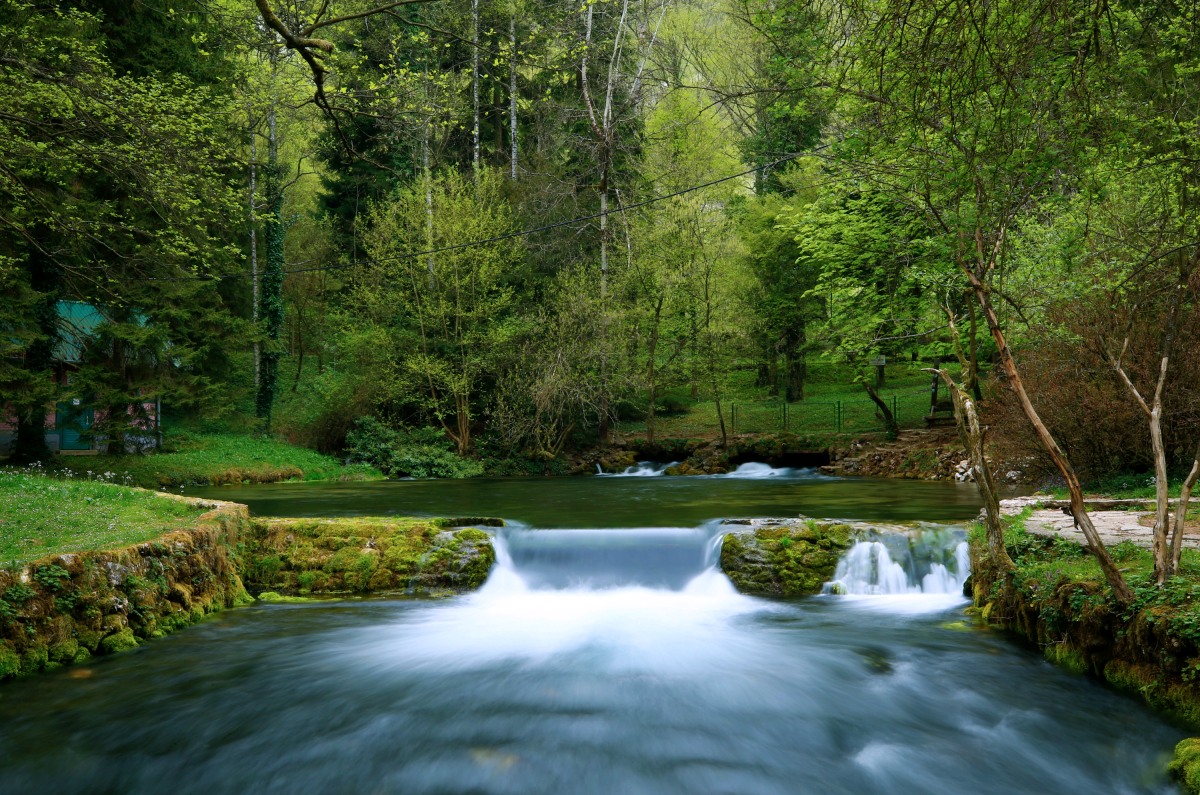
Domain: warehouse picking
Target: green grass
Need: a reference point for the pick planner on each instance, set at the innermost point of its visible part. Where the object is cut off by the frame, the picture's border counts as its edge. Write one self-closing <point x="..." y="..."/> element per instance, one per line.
<point x="833" y="404"/>
<point x="1124" y="487"/>
<point x="218" y="458"/>
<point x="42" y="516"/>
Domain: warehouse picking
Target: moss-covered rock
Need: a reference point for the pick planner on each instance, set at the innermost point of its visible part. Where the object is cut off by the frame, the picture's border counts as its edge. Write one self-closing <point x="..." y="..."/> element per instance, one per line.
<point x="368" y="555"/>
<point x="1185" y="766"/>
<point x="64" y="608"/>
<point x="792" y="559"/>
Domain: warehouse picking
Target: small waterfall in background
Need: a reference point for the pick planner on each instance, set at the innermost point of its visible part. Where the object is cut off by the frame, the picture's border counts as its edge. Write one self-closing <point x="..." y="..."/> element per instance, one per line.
<point x="757" y="470"/>
<point x="926" y="562"/>
<point x="748" y="471"/>
<point x="642" y="469"/>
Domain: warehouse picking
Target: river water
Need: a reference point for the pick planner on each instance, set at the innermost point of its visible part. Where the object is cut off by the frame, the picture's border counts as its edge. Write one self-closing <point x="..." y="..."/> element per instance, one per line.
<point x="599" y="658"/>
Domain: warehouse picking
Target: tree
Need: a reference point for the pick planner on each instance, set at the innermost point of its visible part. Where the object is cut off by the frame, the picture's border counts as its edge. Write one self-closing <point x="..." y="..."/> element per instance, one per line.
<point x="965" y="113"/>
<point x="101" y="175"/>
<point x="447" y="315"/>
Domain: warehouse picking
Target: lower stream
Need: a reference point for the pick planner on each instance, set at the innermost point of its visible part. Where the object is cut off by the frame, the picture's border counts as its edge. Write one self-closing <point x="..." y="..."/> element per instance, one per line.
<point x="615" y="658"/>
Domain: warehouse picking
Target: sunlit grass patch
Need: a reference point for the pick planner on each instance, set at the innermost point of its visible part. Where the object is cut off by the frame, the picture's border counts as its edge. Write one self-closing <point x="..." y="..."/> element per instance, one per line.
<point x="220" y="458"/>
<point x="42" y="516"/>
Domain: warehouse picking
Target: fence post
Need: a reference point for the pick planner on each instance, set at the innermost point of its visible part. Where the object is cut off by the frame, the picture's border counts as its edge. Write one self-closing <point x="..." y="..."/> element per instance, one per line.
<point x="895" y="411"/>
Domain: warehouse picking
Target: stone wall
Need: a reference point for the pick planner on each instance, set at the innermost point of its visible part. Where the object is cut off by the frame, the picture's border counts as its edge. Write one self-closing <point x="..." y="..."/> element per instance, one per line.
<point x="65" y="608"/>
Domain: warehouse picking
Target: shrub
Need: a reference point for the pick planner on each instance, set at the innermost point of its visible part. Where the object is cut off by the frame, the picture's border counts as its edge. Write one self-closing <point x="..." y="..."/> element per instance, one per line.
<point x="407" y="452"/>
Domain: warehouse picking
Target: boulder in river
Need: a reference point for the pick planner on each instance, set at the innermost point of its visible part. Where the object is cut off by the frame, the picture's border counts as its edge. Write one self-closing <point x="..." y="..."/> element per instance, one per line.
<point x="793" y="558"/>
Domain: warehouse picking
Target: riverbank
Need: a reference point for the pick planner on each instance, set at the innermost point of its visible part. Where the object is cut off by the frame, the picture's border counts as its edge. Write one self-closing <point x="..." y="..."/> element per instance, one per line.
<point x="65" y="608"/>
<point x="96" y="568"/>
<point x="1057" y="600"/>
<point x="189" y="459"/>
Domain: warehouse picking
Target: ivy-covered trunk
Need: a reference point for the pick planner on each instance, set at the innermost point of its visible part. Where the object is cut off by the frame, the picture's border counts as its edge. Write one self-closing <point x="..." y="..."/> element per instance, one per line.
<point x="270" y="308"/>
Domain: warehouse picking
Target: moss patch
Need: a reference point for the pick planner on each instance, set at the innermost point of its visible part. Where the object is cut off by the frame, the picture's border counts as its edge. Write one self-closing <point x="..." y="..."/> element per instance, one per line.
<point x="367" y="555"/>
<point x="1058" y="600"/>
<point x="1185" y="766"/>
<point x="784" y="560"/>
<point x="64" y="608"/>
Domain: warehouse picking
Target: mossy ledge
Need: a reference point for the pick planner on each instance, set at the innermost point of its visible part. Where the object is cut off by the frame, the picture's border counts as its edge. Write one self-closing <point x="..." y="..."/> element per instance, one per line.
<point x="784" y="558"/>
<point x="66" y="608"/>
<point x="326" y="557"/>
<point x="1143" y="650"/>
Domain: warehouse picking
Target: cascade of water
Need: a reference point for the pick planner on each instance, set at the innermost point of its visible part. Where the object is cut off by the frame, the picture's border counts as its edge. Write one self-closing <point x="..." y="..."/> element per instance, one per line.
<point x="930" y="566"/>
<point x="658" y="557"/>
<point x="643" y="469"/>
<point x="754" y="469"/>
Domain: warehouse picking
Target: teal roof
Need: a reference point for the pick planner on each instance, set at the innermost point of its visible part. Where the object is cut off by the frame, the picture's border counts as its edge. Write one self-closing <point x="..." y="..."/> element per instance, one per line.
<point x="77" y="323"/>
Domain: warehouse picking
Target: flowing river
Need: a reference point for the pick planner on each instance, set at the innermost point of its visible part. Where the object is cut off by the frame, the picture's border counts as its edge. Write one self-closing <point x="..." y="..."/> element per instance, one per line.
<point x="605" y="654"/>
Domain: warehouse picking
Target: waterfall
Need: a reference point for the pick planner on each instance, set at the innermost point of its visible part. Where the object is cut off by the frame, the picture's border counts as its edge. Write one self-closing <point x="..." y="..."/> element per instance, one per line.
<point x="643" y="469"/>
<point x="928" y="562"/>
<point x="655" y="557"/>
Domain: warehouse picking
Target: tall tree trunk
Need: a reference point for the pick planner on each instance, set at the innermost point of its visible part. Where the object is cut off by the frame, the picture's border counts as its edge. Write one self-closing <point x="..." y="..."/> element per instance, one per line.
<point x="427" y="178"/>
<point x="651" y="369"/>
<point x="971" y="432"/>
<point x="512" y="93"/>
<point x="254" y="253"/>
<point x="475" y="88"/>
<point x="1078" y="507"/>
<point x="271" y="308"/>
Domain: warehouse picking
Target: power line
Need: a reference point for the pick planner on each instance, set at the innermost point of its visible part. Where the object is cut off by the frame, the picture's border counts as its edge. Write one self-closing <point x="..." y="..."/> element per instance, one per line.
<point x="556" y="225"/>
<point x="512" y="235"/>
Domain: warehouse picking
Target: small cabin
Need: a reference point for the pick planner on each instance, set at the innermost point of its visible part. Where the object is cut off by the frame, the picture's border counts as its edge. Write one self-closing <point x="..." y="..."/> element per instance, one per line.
<point x="69" y="423"/>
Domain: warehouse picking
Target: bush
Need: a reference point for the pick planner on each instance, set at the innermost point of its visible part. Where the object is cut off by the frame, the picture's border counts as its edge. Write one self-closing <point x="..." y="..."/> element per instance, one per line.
<point x="407" y="452"/>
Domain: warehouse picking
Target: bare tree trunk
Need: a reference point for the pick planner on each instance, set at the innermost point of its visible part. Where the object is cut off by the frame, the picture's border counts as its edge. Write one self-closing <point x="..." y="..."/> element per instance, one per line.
<point x="1078" y="507"/>
<point x="972" y="432"/>
<point x="1185" y="496"/>
<point x="1163" y="554"/>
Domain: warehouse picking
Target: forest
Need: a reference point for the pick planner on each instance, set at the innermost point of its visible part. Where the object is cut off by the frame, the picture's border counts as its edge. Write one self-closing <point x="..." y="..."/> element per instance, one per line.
<point x="507" y="228"/>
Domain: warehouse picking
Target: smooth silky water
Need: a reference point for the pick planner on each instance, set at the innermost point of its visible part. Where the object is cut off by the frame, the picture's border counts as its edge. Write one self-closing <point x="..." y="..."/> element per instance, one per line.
<point x="614" y="660"/>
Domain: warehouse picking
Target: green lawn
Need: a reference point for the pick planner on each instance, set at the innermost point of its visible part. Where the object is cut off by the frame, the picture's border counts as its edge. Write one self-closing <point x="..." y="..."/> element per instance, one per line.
<point x="217" y="458"/>
<point x="833" y="404"/>
<point x="42" y="516"/>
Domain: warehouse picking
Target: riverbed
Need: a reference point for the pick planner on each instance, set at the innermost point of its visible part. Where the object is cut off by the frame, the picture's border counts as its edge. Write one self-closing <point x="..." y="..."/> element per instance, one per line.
<point x="605" y="654"/>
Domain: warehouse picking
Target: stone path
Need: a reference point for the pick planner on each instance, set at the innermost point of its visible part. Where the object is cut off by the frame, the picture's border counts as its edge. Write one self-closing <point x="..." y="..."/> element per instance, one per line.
<point x="1115" y="520"/>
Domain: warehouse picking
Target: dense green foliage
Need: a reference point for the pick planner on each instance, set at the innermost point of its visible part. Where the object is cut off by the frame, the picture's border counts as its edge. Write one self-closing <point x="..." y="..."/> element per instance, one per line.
<point x="416" y="453"/>
<point x="523" y="224"/>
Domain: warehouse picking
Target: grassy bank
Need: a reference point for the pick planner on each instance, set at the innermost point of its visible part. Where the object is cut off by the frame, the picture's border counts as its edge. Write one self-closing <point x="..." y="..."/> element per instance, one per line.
<point x="833" y="406"/>
<point x="42" y="516"/>
<point x="215" y="458"/>
<point x="1058" y="600"/>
